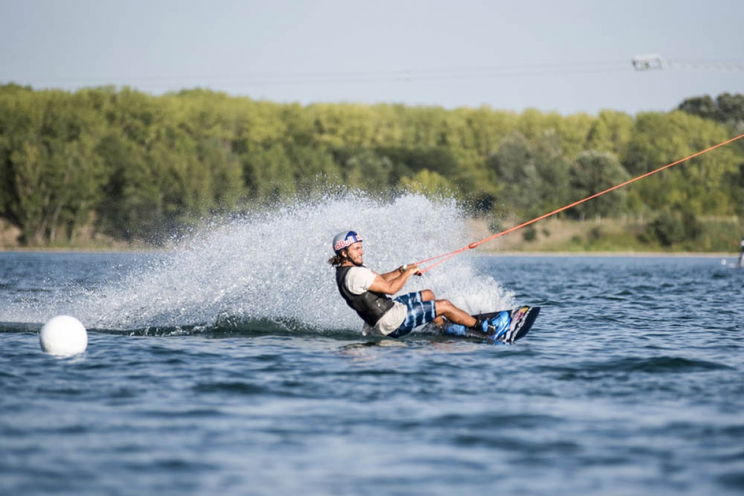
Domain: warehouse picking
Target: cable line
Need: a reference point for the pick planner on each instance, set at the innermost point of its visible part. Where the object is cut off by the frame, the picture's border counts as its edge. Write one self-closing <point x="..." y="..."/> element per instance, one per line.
<point x="446" y="256"/>
<point x="405" y="75"/>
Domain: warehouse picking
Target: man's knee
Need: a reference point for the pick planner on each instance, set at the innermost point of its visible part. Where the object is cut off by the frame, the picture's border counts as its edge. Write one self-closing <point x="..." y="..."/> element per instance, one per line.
<point x="443" y="306"/>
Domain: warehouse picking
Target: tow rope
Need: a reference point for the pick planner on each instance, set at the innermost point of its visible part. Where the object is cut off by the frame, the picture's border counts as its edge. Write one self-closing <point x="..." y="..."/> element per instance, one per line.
<point x="446" y="256"/>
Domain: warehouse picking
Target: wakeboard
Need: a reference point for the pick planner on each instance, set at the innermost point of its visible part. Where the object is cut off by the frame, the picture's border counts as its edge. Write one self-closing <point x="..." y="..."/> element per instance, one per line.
<point x="507" y="325"/>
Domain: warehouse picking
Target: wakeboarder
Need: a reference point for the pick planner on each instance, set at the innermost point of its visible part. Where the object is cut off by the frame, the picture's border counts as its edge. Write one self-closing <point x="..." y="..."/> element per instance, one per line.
<point x="368" y="293"/>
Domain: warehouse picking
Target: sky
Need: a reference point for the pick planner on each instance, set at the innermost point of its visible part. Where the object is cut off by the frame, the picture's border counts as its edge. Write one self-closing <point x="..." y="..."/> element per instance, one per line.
<point x="566" y="56"/>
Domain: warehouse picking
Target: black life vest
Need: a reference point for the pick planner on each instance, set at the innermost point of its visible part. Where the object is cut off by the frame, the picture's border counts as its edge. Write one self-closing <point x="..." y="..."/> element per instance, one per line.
<point x="369" y="305"/>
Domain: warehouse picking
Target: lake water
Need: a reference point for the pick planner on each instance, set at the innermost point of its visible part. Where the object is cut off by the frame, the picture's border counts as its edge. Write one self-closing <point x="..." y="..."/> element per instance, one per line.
<point x="222" y="367"/>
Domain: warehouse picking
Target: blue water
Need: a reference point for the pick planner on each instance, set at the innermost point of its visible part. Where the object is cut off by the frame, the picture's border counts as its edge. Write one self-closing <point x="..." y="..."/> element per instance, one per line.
<point x="631" y="382"/>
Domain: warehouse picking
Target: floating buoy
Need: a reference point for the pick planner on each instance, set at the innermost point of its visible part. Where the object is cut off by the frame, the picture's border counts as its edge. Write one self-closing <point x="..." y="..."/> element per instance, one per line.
<point x="63" y="336"/>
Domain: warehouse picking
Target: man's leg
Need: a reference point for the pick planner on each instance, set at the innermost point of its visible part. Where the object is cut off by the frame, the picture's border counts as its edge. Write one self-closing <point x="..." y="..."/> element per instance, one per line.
<point x="441" y="308"/>
<point x="428" y="295"/>
<point x="474" y="328"/>
<point x="447" y="309"/>
<point x="454" y="314"/>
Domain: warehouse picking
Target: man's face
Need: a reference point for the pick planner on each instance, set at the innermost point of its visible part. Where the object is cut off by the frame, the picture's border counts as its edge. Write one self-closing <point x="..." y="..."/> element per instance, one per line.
<point x="355" y="253"/>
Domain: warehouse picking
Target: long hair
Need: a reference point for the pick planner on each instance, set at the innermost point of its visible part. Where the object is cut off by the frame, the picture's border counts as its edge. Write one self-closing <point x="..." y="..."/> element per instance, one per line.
<point x="336" y="260"/>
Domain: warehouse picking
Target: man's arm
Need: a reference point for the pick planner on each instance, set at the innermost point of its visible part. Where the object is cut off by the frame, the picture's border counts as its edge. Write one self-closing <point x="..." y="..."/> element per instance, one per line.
<point x="392" y="282"/>
<point x="388" y="276"/>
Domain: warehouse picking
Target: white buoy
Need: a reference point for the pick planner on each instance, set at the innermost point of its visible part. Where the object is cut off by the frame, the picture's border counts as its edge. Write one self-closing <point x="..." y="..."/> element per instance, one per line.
<point x="63" y="336"/>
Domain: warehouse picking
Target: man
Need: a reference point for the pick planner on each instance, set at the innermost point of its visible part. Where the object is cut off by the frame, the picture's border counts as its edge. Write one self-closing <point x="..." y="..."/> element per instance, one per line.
<point x="741" y="255"/>
<point x="367" y="293"/>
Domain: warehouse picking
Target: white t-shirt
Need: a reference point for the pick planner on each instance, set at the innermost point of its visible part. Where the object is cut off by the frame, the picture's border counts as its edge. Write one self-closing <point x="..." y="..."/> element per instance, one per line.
<point x="358" y="280"/>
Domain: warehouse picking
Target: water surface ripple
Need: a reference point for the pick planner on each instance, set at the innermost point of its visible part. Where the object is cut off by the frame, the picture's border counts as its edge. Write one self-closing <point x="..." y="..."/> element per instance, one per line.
<point x="632" y="382"/>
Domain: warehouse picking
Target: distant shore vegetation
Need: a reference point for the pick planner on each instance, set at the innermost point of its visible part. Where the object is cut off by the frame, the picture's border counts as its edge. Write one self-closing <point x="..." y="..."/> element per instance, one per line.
<point x="115" y="166"/>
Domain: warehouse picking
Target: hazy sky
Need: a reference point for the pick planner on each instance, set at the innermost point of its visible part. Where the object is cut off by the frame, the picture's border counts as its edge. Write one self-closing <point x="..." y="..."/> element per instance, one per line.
<point x="567" y="56"/>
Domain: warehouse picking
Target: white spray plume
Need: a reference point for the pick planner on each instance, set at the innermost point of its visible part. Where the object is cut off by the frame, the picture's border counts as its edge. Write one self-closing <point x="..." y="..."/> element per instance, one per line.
<point x="272" y="266"/>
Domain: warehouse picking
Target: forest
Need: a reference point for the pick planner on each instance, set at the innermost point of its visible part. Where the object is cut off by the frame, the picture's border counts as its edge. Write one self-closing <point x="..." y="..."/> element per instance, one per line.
<point x="126" y="166"/>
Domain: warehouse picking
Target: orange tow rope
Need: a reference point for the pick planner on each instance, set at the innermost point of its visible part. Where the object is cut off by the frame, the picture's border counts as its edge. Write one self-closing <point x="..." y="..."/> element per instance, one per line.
<point x="446" y="256"/>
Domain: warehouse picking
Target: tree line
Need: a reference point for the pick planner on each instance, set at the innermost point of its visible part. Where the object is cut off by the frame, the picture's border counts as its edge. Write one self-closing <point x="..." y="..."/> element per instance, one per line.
<point x="136" y="167"/>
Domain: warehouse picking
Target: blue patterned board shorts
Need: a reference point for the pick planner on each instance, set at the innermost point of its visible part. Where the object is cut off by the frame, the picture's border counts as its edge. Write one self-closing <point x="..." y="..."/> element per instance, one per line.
<point x="419" y="313"/>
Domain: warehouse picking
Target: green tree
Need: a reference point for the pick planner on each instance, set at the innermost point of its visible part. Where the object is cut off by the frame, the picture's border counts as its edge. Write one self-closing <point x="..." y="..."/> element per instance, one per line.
<point x="699" y="185"/>
<point x="701" y="106"/>
<point x="671" y="228"/>
<point x="726" y="108"/>
<point x="428" y="183"/>
<point x="141" y="166"/>
<point x="591" y="172"/>
<point x="610" y="132"/>
<point x="532" y="175"/>
<point x="313" y="166"/>
<point x="268" y="173"/>
<point x="367" y="170"/>
<point x="53" y="175"/>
